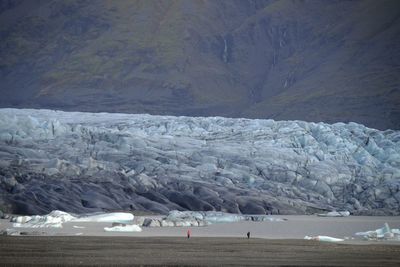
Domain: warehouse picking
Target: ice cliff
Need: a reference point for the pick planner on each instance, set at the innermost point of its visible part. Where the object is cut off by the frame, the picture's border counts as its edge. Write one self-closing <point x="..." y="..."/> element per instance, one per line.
<point x="85" y="162"/>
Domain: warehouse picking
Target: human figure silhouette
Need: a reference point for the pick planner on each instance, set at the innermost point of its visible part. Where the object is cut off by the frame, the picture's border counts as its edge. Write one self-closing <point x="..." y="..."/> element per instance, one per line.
<point x="188" y="233"/>
<point x="248" y="235"/>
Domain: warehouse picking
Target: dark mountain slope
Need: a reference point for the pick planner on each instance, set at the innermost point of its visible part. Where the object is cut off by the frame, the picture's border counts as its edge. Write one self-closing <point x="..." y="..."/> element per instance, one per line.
<point x="309" y="60"/>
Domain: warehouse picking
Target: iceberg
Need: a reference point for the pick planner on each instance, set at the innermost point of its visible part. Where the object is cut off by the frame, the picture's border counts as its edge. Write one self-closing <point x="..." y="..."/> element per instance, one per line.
<point x="123" y="228"/>
<point x="53" y="219"/>
<point x="121" y="217"/>
<point x="335" y="214"/>
<point x="323" y="238"/>
<point x="56" y="218"/>
<point x="263" y="218"/>
<point x="384" y="233"/>
<point x="203" y="218"/>
<point x="222" y="217"/>
<point x="208" y="216"/>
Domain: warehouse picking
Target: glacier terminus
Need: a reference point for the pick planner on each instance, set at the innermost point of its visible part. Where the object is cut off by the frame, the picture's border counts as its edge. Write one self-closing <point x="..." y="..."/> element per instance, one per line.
<point x="86" y="162"/>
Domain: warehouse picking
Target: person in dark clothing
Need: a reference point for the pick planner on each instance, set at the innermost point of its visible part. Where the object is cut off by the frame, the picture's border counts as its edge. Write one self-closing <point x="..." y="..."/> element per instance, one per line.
<point x="188" y="233"/>
<point x="248" y="235"/>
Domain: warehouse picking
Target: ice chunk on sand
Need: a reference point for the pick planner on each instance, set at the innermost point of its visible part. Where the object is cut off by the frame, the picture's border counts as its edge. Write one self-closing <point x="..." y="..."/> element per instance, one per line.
<point x="382" y="233"/>
<point x="54" y="219"/>
<point x="123" y="228"/>
<point x="222" y="217"/>
<point x="335" y="214"/>
<point x="208" y="216"/>
<point x="21" y="219"/>
<point x="323" y="238"/>
<point x="106" y="217"/>
<point x="263" y="218"/>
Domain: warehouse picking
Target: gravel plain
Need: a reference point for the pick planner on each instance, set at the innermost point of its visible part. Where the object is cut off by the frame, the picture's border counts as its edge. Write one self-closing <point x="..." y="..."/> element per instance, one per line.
<point x="197" y="251"/>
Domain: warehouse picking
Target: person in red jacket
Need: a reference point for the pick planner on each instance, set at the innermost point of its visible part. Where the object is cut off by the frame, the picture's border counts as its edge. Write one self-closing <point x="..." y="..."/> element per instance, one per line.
<point x="188" y="233"/>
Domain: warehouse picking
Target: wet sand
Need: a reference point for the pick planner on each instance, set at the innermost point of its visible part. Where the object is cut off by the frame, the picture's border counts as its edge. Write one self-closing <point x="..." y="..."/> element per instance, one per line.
<point x="296" y="227"/>
<point x="199" y="251"/>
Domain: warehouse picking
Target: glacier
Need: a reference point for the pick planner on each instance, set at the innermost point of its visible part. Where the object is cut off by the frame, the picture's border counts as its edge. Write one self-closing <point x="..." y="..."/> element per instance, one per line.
<point x="88" y="162"/>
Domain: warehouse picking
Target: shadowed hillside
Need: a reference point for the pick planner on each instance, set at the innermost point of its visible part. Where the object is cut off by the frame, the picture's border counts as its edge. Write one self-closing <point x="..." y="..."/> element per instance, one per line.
<point x="309" y="60"/>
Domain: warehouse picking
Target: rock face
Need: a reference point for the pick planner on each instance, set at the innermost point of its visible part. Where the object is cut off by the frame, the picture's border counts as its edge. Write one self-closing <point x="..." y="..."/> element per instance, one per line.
<point x="85" y="162"/>
<point x="307" y="60"/>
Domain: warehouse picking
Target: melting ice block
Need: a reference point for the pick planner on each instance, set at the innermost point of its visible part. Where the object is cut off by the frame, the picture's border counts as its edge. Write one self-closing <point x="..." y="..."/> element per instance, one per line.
<point x="209" y="217"/>
<point x="107" y="217"/>
<point x="323" y="238"/>
<point x="123" y="228"/>
<point x="335" y="214"/>
<point x="56" y="218"/>
<point x="385" y="233"/>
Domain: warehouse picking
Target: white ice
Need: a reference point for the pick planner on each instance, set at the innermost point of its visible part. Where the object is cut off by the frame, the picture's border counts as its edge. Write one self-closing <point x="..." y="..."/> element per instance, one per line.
<point x="106" y="217"/>
<point x="57" y="218"/>
<point x="323" y="238"/>
<point x="54" y="219"/>
<point x="382" y="233"/>
<point x="328" y="166"/>
<point x="335" y="214"/>
<point x="217" y="217"/>
<point x="123" y="228"/>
